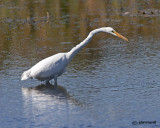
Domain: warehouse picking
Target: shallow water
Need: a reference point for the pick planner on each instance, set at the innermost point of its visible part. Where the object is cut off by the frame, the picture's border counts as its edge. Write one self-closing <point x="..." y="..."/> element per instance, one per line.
<point x="109" y="84"/>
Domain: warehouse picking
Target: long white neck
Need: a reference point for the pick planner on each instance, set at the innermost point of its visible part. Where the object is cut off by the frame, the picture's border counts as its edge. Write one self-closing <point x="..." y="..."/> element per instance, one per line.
<point x="78" y="47"/>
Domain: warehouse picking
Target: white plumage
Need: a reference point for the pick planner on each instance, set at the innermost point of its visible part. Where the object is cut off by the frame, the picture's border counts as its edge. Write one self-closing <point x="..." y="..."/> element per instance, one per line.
<point x="54" y="66"/>
<point x="48" y="68"/>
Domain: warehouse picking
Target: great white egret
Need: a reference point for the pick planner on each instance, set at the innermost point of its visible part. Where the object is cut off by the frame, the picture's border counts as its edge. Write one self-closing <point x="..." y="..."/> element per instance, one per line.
<point x="55" y="65"/>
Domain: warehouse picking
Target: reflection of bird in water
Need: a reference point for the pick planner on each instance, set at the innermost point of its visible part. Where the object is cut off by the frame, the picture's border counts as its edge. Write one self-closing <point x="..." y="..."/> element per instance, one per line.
<point x="48" y="104"/>
<point x="54" y="66"/>
<point x="50" y="90"/>
<point x="48" y="93"/>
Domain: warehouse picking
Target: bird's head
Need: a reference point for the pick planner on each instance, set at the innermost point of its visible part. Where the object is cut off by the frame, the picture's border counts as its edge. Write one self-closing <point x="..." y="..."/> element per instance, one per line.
<point x="113" y="32"/>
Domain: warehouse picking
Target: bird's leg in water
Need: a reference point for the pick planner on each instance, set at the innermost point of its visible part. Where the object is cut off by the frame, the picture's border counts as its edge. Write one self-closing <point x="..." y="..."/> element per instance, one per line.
<point x="47" y="83"/>
<point x="55" y="81"/>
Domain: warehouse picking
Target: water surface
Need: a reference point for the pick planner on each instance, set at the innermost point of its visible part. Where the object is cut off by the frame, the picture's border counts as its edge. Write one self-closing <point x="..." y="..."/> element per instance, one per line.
<point x="109" y="84"/>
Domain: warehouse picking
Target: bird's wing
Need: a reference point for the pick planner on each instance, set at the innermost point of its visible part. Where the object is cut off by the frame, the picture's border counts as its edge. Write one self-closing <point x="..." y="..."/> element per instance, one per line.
<point x="50" y="66"/>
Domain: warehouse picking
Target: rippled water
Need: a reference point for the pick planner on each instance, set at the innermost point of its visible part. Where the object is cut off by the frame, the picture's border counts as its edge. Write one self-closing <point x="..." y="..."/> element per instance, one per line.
<point x="109" y="84"/>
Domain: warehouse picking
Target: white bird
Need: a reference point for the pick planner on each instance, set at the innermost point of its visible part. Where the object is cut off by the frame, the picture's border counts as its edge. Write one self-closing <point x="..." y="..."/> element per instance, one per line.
<point x="55" y="65"/>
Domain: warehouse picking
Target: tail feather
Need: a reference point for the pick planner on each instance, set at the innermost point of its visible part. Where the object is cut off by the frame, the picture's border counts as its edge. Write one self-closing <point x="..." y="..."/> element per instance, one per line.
<point x="25" y="75"/>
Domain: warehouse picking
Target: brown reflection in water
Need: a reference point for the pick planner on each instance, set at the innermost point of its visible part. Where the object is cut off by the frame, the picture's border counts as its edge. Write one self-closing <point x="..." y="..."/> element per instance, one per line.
<point x="25" y="30"/>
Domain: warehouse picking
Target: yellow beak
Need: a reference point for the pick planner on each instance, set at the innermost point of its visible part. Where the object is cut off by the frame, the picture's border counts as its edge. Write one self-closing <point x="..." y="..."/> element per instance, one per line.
<point x="120" y="36"/>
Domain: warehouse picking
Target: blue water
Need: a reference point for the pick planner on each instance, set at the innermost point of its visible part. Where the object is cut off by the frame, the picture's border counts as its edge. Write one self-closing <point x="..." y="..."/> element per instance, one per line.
<point x="109" y="84"/>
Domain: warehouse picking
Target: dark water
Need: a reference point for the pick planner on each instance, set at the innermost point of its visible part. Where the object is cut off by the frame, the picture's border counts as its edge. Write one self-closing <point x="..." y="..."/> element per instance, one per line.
<point x="109" y="84"/>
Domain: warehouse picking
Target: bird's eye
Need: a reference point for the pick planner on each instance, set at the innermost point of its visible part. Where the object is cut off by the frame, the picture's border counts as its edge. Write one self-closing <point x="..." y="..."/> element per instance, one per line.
<point x="112" y="31"/>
